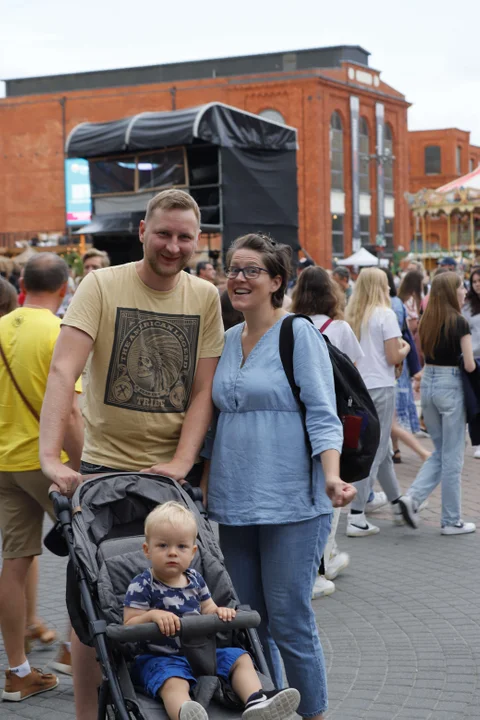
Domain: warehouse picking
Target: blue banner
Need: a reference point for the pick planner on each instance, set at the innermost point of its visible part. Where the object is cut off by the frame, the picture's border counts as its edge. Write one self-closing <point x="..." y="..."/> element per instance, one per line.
<point x="78" y="200"/>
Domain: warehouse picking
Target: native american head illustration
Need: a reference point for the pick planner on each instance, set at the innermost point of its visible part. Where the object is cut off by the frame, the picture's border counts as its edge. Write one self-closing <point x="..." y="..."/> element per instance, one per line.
<point x="155" y="361"/>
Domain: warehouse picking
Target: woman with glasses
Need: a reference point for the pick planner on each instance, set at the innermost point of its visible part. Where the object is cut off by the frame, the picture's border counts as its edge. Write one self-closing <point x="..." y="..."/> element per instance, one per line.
<point x="273" y="502"/>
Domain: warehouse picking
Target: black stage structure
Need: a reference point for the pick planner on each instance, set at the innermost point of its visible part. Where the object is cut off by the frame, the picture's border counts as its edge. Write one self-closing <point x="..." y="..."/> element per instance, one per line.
<point x="239" y="167"/>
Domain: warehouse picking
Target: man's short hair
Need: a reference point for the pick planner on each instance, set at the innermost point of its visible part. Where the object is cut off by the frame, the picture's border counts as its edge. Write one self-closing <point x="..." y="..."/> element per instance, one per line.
<point x="172" y="200"/>
<point x="342" y="272"/>
<point x="202" y="265"/>
<point x="93" y="252"/>
<point x="46" y="272"/>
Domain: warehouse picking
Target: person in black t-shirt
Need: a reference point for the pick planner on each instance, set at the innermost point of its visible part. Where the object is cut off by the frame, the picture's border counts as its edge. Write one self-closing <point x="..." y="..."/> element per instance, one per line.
<point x="445" y="337"/>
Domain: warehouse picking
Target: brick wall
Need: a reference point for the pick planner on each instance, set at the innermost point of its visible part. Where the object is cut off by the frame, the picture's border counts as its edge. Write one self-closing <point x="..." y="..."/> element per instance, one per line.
<point x="33" y="130"/>
<point x="448" y="141"/>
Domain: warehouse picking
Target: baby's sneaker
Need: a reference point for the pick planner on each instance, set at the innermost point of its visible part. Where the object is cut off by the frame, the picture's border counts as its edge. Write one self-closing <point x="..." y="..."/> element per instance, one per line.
<point x="191" y="710"/>
<point x="272" y="705"/>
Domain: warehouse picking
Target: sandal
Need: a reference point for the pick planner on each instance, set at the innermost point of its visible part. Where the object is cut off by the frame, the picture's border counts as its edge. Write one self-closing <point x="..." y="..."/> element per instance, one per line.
<point x="39" y="633"/>
<point x="397" y="457"/>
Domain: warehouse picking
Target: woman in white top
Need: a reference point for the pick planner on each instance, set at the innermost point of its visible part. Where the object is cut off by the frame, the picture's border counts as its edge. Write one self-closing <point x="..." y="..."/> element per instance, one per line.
<point x="318" y="296"/>
<point x="375" y="325"/>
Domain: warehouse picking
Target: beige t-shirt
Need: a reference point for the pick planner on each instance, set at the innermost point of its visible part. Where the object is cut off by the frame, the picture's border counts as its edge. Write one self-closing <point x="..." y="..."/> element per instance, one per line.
<point x="146" y="348"/>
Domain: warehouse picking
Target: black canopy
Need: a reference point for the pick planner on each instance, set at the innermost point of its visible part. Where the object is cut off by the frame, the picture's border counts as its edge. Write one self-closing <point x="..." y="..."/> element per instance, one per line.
<point x="215" y="123"/>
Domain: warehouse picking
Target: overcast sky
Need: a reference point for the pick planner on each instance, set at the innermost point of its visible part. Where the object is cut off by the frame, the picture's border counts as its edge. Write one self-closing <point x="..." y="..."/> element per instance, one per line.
<point x="426" y="50"/>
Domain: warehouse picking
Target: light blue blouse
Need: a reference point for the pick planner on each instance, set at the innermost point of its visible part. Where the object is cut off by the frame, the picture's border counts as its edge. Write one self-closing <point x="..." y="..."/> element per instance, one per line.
<point x="260" y="469"/>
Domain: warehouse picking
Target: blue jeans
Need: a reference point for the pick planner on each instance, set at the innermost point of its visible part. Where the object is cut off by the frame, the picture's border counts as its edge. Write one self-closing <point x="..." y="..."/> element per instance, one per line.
<point x="273" y="568"/>
<point x="444" y="414"/>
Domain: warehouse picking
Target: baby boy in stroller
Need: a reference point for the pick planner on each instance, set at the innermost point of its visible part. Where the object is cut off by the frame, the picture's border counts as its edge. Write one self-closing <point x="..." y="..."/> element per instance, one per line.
<point x="169" y="590"/>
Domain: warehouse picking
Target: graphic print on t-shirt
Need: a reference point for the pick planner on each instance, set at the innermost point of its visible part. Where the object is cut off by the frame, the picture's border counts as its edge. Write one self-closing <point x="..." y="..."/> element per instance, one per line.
<point x="152" y="364"/>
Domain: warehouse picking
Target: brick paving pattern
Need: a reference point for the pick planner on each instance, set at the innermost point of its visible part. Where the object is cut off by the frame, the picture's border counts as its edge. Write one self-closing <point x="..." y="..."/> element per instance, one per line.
<point x="401" y="633"/>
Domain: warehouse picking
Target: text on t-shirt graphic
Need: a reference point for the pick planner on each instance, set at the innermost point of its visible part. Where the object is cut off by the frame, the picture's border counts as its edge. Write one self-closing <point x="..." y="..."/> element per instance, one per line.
<point x="153" y="359"/>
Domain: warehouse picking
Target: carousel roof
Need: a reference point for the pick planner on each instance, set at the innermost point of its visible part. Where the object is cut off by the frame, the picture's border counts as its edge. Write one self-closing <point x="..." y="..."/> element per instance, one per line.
<point x="471" y="180"/>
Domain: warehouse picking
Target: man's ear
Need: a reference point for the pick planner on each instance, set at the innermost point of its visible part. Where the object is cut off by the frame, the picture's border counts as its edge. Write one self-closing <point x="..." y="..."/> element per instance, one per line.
<point x="141" y="230"/>
<point x="63" y="290"/>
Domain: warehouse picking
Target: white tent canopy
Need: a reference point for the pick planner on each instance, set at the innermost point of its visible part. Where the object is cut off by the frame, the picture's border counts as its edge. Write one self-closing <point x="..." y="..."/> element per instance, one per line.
<point x="362" y="258"/>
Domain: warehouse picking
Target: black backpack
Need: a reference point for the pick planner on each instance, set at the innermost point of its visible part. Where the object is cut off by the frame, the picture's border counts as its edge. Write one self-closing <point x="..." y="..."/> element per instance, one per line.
<point x="355" y="407"/>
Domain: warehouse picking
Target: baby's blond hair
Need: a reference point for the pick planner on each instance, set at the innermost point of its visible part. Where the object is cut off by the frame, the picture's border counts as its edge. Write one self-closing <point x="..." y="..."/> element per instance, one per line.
<point x="173" y="513"/>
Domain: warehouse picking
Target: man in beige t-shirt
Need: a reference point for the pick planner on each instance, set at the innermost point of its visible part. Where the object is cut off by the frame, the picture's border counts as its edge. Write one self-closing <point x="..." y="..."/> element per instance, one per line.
<point x="155" y="334"/>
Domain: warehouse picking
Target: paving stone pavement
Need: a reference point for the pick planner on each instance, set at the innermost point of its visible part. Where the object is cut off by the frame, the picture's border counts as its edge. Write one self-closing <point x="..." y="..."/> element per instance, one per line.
<point x="401" y="633"/>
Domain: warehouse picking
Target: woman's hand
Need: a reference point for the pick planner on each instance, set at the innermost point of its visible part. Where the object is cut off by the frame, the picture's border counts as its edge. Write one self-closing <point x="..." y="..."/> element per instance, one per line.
<point x="339" y="492"/>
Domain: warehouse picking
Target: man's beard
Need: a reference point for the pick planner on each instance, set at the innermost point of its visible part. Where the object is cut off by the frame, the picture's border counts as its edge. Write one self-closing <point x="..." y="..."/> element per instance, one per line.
<point x="163" y="271"/>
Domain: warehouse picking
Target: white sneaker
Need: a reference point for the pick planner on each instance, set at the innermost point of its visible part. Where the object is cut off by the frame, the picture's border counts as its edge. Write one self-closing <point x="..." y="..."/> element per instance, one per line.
<point x="397" y="515"/>
<point x="379" y="501"/>
<point x="322" y="587"/>
<point x="336" y="564"/>
<point x="358" y="526"/>
<point x="459" y="528"/>
<point x="408" y="509"/>
<point x="191" y="710"/>
<point x="476" y="454"/>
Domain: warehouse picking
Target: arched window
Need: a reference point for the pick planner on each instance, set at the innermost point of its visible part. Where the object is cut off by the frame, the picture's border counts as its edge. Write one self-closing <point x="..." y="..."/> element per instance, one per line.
<point x="364" y="147"/>
<point x="336" y="151"/>
<point x="271" y="114"/>
<point x="458" y="160"/>
<point x="388" y="164"/>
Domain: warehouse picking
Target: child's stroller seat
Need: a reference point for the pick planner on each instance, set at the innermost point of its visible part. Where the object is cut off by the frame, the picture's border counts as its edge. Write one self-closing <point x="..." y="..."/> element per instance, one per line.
<point x="106" y="553"/>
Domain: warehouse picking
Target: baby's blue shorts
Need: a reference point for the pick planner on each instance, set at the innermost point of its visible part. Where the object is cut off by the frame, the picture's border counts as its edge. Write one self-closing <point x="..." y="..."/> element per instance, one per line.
<point x="150" y="672"/>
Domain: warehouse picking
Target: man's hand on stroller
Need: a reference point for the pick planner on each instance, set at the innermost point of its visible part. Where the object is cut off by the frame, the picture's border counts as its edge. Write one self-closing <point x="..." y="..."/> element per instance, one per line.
<point x="64" y="479"/>
<point x="173" y="469"/>
<point x="168" y="622"/>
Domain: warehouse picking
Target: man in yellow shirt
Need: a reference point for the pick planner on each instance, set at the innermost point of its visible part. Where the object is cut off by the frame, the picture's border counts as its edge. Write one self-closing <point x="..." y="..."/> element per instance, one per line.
<point x="155" y="335"/>
<point x="27" y="338"/>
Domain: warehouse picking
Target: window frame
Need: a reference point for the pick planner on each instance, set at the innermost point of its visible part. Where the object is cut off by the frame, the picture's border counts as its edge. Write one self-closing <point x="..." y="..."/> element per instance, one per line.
<point x="425" y="163"/>
<point x="338" y="233"/>
<point x="335" y="174"/>
<point x="137" y="158"/>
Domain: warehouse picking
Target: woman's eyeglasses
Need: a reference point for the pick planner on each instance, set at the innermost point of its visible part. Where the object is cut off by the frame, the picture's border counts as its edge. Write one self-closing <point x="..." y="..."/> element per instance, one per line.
<point x="249" y="273"/>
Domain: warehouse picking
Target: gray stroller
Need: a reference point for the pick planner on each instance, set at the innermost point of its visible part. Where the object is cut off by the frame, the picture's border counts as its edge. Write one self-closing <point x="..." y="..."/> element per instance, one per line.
<point x="103" y="529"/>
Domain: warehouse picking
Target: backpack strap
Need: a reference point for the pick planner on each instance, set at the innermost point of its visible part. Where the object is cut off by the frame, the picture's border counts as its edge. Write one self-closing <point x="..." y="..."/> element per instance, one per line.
<point x="325" y="325"/>
<point x="286" y="348"/>
<point x="17" y="386"/>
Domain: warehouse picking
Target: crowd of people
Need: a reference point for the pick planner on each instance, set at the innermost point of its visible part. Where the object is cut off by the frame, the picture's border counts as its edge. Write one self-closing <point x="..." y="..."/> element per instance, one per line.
<point x="168" y="391"/>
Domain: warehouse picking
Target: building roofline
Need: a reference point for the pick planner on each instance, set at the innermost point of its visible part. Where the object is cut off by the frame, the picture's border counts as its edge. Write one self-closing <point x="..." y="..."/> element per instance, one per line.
<point x="186" y="62"/>
<point x="448" y="129"/>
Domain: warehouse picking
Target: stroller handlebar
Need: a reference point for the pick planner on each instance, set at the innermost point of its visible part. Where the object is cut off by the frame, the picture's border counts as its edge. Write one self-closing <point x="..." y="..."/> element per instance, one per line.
<point x="60" y="502"/>
<point x="191" y="626"/>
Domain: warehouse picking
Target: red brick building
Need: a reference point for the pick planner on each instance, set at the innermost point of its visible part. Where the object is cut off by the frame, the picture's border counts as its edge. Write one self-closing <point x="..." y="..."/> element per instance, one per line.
<point x="436" y="158"/>
<point x="352" y="132"/>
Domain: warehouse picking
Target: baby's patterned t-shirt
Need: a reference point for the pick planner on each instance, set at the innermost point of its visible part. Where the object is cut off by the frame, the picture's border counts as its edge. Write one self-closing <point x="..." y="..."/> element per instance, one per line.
<point x="145" y="592"/>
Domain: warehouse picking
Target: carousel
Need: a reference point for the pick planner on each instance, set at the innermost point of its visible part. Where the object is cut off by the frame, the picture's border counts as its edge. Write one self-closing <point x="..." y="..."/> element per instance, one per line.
<point x="459" y="203"/>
